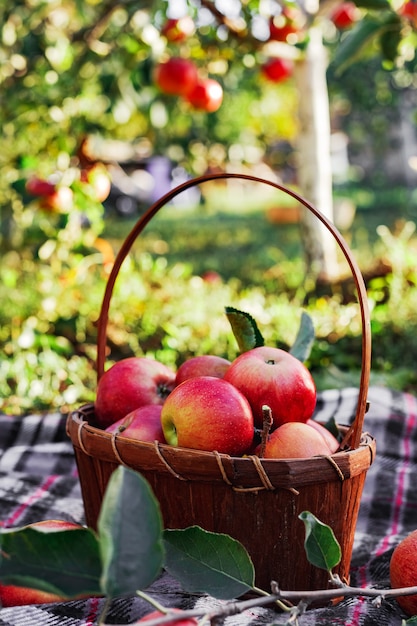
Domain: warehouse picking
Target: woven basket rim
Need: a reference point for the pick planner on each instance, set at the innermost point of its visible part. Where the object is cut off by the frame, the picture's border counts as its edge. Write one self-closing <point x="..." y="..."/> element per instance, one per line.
<point x="246" y="472"/>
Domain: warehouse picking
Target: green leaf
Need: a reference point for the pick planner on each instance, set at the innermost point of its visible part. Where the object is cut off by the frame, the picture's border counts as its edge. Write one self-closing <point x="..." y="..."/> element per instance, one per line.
<point x="362" y="34"/>
<point x="410" y="622"/>
<point x="373" y="4"/>
<point x="245" y="329"/>
<point x="206" y="562"/>
<point x="64" y="562"/>
<point x="130" y="534"/>
<point x="391" y="38"/>
<point x="321" y="546"/>
<point x="305" y="338"/>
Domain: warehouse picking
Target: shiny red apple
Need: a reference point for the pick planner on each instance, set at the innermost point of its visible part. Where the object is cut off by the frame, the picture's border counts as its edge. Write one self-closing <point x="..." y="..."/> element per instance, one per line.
<point x="273" y="377"/>
<point x="295" y="440"/>
<point x="208" y="413"/>
<point x="202" y="365"/>
<point x="129" y="384"/>
<point x="177" y="76"/>
<point x="207" y="95"/>
<point x="13" y="595"/>
<point x="287" y="26"/>
<point x="143" y="424"/>
<point x="39" y="187"/>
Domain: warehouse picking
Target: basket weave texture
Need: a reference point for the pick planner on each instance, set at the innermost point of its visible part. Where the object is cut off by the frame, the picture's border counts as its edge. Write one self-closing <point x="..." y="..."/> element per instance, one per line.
<point x="256" y="501"/>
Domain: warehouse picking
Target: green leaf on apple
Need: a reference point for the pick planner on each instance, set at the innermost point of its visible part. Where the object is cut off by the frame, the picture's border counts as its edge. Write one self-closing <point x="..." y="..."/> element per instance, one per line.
<point x="206" y="562"/>
<point x="304" y="340"/>
<point x="130" y="534"/>
<point x="321" y="546"/>
<point x="245" y="329"/>
<point x="63" y="562"/>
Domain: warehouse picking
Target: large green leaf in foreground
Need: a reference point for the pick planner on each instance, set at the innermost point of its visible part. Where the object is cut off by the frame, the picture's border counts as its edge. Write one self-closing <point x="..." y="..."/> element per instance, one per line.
<point x="64" y="562"/>
<point x="206" y="562"/>
<point x="130" y="534"/>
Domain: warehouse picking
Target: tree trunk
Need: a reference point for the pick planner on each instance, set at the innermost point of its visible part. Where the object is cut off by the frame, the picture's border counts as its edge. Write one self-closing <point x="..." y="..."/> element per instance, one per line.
<point x="314" y="157"/>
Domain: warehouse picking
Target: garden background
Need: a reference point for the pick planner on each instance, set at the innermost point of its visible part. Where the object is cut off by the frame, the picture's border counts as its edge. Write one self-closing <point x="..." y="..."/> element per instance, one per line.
<point x="81" y="107"/>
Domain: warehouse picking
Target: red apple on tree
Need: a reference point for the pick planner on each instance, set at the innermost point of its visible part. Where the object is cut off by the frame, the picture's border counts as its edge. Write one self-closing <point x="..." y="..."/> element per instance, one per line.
<point x="13" y="595"/>
<point x="345" y="15"/>
<point x="202" y="365"/>
<point x="143" y="424"/>
<point x="178" y="29"/>
<point x="277" y="70"/>
<point x="295" y="440"/>
<point x="207" y="95"/>
<point x="273" y="377"/>
<point x="287" y="26"/>
<point x="409" y="10"/>
<point x="39" y="187"/>
<point x="129" y="384"/>
<point x="176" y="76"/>
<point x="208" y="413"/>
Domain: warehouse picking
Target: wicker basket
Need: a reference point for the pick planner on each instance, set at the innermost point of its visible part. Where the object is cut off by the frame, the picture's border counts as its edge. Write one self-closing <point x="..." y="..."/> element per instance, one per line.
<point x="254" y="500"/>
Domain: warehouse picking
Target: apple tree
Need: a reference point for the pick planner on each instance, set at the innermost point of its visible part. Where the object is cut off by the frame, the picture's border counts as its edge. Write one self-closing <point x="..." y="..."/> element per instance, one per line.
<point x="247" y="73"/>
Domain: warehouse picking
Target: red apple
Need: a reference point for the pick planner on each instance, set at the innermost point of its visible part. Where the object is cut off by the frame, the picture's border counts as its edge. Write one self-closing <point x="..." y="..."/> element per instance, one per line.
<point x="130" y="384"/>
<point x="186" y="621"/>
<point x="287" y="26"/>
<point x="330" y="439"/>
<point x="203" y="365"/>
<point x="295" y="440"/>
<point x="273" y="377"/>
<point x="178" y="29"/>
<point x="39" y="187"/>
<point x="345" y="15"/>
<point x="409" y="10"/>
<point x="207" y="95"/>
<point x="208" y="413"/>
<point x="12" y="595"/>
<point x="143" y="424"/>
<point x="176" y="76"/>
<point x="403" y="571"/>
<point x="61" y="201"/>
<point x="277" y="70"/>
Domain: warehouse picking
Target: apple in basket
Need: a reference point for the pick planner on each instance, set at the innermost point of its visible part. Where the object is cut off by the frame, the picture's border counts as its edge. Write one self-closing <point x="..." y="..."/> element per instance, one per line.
<point x="202" y="365"/>
<point x="143" y="424"/>
<point x="129" y="384"/>
<point x="13" y="595"/>
<point x="274" y="377"/>
<point x="208" y="413"/>
<point x="330" y="439"/>
<point x="295" y="440"/>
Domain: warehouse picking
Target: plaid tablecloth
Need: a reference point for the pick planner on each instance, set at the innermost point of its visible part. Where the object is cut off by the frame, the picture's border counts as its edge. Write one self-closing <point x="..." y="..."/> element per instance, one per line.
<point x="38" y="480"/>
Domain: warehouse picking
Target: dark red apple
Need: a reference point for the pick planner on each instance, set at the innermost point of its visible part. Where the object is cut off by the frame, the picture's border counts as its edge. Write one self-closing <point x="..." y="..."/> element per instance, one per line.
<point x="143" y="424"/>
<point x="208" y="413"/>
<point x="277" y="70"/>
<point x="207" y="95"/>
<point x="273" y="377"/>
<point x="345" y="15"/>
<point x="176" y="77"/>
<point x="130" y="384"/>
<point x="203" y="365"/>
<point x="39" y="187"/>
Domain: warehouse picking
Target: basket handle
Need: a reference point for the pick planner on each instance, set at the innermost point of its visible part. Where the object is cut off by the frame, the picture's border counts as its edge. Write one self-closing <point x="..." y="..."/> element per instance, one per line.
<point x="357" y="426"/>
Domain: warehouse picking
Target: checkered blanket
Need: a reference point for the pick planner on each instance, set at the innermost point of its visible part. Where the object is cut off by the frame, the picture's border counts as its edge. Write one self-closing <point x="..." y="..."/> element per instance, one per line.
<point x="38" y="480"/>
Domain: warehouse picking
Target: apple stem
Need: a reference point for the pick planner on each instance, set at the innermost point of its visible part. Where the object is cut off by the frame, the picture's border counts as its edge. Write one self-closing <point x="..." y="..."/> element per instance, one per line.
<point x="267" y="422"/>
